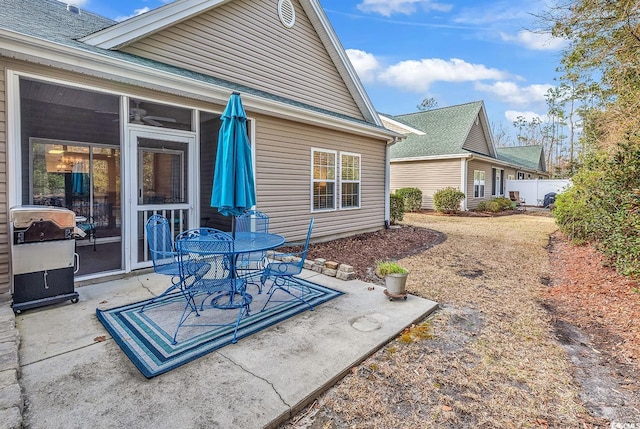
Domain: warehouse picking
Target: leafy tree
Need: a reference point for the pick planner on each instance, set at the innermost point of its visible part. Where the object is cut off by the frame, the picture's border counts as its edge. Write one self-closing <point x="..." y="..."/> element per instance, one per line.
<point x="602" y="67"/>
<point x="427" y="104"/>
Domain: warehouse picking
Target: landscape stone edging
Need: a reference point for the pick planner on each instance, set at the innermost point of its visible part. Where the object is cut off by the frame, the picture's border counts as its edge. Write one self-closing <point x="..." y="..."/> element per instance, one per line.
<point x="319" y="265"/>
<point x="11" y="399"/>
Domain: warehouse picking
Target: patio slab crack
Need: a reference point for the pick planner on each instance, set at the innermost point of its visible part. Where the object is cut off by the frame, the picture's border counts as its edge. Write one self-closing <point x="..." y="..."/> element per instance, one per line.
<point x="258" y="377"/>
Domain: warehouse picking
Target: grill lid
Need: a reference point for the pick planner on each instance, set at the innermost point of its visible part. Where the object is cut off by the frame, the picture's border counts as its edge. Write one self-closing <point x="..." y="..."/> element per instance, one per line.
<point x="24" y="216"/>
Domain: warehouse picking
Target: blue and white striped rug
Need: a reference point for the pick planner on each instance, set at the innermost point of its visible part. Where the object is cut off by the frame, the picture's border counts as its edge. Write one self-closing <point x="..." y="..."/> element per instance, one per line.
<point x="146" y="337"/>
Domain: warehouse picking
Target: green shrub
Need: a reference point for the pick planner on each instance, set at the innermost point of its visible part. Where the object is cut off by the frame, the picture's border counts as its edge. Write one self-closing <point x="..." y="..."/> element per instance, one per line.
<point x="412" y="198"/>
<point x="603" y="205"/>
<point x="396" y="207"/>
<point x="482" y="206"/>
<point x="499" y="204"/>
<point x="448" y="200"/>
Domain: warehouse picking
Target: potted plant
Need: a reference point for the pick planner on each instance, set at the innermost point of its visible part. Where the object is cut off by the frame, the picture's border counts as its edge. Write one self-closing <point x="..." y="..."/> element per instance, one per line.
<point x="395" y="277"/>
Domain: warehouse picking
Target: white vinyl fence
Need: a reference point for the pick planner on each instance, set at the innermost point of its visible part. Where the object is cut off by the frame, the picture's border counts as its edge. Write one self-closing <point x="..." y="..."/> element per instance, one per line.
<point x="533" y="191"/>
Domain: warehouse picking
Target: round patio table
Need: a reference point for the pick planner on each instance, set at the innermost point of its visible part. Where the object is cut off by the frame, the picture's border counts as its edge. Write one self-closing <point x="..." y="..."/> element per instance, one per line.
<point x="244" y="242"/>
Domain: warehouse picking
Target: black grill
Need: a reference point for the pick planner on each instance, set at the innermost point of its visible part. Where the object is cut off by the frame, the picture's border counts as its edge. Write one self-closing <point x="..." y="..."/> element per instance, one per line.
<point x="42" y="256"/>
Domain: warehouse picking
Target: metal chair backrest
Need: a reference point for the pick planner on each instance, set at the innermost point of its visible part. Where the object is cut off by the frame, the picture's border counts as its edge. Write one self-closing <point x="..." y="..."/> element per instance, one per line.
<point x="252" y="221"/>
<point x="209" y="245"/>
<point x="299" y="264"/>
<point x="160" y="241"/>
<point x="306" y="243"/>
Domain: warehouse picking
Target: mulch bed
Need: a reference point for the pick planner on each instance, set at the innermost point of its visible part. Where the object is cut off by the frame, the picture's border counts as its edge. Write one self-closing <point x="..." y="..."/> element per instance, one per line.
<point x="591" y="295"/>
<point x="364" y="250"/>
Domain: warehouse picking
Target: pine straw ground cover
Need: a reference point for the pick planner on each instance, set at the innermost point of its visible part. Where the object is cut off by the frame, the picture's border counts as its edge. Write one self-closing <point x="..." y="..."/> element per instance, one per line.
<point x="487" y="358"/>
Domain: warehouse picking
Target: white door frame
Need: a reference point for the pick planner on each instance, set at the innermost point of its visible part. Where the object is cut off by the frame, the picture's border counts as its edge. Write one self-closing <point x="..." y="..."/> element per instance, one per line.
<point x="130" y="167"/>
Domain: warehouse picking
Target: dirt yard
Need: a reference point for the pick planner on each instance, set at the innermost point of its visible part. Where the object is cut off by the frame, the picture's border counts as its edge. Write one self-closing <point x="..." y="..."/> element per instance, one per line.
<point x="531" y="332"/>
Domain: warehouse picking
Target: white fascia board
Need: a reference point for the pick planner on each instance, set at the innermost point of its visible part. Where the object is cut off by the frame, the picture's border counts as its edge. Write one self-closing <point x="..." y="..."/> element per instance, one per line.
<point x="334" y="46"/>
<point x="38" y="51"/>
<point x="433" y="157"/>
<point x="487" y="129"/>
<point x="406" y="127"/>
<point x="147" y="23"/>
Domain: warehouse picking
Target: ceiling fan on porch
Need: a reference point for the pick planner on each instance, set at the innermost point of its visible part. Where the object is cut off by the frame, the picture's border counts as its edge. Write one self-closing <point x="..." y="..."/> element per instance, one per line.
<point x="138" y="115"/>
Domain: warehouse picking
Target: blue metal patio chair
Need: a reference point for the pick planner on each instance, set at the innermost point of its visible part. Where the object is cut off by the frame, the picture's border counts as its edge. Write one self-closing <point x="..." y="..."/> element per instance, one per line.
<point x="282" y="274"/>
<point x="163" y="254"/>
<point x="251" y="264"/>
<point x="205" y="257"/>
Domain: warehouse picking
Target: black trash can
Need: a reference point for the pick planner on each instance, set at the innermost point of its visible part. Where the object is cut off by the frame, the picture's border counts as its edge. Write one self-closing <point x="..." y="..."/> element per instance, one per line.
<point x="42" y="256"/>
<point x="549" y="199"/>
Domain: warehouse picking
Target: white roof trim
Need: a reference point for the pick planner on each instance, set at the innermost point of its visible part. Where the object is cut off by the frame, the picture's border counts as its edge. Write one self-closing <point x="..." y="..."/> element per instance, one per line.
<point x="407" y="128"/>
<point x="340" y="59"/>
<point x="34" y="50"/>
<point x="147" y="23"/>
<point x="433" y="157"/>
<point x="140" y="26"/>
<point x="494" y="161"/>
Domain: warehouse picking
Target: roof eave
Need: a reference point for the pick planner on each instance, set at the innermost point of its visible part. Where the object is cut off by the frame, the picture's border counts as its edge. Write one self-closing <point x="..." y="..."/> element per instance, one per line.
<point x="140" y="26"/>
<point x="35" y="50"/>
<point x="341" y="60"/>
<point x="433" y="157"/>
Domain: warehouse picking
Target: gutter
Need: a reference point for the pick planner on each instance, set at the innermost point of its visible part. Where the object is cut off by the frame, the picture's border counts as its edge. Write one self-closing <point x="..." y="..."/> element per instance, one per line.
<point x="469" y="156"/>
<point x="39" y="51"/>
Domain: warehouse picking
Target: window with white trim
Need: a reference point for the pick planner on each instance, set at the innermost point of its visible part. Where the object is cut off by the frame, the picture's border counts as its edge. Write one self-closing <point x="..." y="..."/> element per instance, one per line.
<point x="478" y="184"/>
<point x="511" y="177"/>
<point x="323" y="179"/>
<point x="349" y="180"/>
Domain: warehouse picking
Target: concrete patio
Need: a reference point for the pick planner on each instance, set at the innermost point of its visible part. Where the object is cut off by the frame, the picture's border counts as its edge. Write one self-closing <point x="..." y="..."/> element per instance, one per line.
<point x="73" y="375"/>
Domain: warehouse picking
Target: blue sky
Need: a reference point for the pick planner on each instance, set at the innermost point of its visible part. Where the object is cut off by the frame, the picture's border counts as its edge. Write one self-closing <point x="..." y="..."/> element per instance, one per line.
<point x="455" y="51"/>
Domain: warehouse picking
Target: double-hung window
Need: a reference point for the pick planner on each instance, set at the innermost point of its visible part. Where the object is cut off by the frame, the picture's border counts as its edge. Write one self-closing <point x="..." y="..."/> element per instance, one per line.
<point x="323" y="179"/>
<point x="478" y="184"/>
<point x="349" y="180"/>
<point x="335" y="179"/>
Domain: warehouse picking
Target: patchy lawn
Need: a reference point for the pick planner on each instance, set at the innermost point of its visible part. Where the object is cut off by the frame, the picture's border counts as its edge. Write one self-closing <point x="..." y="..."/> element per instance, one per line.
<point x="490" y="357"/>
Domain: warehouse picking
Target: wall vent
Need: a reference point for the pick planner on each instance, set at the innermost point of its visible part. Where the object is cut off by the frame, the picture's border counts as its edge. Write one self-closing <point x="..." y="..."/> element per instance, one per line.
<point x="287" y="13"/>
<point x="73" y="9"/>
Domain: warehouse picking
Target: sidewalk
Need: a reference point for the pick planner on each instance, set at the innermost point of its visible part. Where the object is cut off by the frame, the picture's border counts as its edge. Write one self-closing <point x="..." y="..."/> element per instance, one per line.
<point x="72" y="379"/>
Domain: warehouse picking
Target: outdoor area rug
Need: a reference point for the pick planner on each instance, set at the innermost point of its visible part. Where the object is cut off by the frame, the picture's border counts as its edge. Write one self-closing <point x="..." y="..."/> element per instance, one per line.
<point x="146" y="337"/>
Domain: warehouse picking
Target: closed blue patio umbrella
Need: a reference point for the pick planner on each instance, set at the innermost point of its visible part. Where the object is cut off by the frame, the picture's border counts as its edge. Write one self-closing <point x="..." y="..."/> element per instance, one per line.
<point x="233" y="186"/>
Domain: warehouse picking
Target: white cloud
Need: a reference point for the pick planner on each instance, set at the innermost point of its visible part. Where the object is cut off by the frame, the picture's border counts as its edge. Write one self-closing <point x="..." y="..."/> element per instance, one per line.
<point x="510" y="92"/>
<point x="407" y="7"/>
<point x="366" y="64"/>
<point x="418" y="75"/>
<point x="537" y="41"/>
<point x="513" y="115"/>
<point x="136" y="12"/>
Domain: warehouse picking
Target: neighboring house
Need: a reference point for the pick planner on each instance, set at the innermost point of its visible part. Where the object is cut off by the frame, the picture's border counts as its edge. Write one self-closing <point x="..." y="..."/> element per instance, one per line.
<point x="453" y="147"/>
<point x="531" y="158"/>
<point x="133" y="108"/>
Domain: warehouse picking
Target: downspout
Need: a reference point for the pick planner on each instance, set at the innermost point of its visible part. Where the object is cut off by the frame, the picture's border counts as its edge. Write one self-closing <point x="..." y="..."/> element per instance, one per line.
<point x="387" y="182"/>
<point x="463" y="181"/>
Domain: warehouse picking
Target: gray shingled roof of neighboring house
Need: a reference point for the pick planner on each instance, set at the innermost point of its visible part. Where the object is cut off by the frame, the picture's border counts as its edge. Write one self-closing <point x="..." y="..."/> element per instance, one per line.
<point x="446" y="129"/>
<point x="527" y="156"/>
<point x="49" y="20"/>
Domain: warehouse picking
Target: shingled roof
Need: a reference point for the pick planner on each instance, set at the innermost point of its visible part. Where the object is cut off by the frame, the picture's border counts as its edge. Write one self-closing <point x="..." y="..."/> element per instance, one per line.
<point x="51" y="21"/>
<point x="446" y="130"/>
<point x="527" y="156"/>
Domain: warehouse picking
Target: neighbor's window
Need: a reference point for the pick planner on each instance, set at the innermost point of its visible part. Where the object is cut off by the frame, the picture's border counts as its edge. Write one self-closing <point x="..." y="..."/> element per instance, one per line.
<point x="349" y="180"/>
<point x="511" y="177"/>
<point x="520" y="176"/>
<point x="323" y="180"/>
<point x="478" y="184"/>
